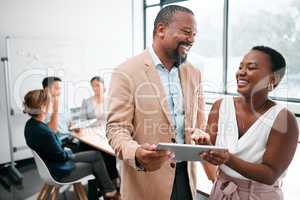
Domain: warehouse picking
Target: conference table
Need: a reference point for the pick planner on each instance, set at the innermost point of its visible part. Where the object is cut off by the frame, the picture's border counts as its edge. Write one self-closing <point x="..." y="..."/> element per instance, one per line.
<point x="95" y="137"/>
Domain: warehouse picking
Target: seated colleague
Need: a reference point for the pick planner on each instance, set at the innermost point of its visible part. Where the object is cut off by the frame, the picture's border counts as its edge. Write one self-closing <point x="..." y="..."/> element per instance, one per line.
<point x="93" y="108"/>
<point x="59" y="117"/>
<point x="64" y="166"/>
<point x="261" y="135"/>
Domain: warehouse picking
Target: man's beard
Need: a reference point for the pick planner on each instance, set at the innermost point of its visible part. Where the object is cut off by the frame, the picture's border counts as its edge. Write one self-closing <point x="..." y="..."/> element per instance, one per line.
<point x="177" y="57"/>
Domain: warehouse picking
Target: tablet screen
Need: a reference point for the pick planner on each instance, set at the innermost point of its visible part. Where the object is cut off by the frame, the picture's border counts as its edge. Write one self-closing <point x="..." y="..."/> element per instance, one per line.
<point x="187" y="152"/>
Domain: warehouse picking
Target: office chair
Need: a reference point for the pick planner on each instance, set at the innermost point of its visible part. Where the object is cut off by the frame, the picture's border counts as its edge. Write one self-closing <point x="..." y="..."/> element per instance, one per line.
<point x="52" y="186"/>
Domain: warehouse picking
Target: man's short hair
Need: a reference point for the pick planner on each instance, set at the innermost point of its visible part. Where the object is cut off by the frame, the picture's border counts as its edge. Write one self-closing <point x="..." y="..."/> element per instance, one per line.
<point x="166" y="14"/>
<point x="97" y="78"/>
<point x="48" y="81"/>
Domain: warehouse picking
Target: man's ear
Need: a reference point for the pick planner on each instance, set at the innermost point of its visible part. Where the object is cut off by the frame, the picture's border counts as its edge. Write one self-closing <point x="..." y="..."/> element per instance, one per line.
<point x="47" y="89"/>
<point x="161" y="30"/>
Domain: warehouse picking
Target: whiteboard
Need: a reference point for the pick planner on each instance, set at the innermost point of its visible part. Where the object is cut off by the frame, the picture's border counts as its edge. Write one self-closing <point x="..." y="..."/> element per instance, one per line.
<point x="31" y="60"/>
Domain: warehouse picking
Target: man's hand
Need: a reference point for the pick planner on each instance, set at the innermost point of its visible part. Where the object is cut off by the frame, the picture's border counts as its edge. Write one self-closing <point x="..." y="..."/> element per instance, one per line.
<point x="53" y="123"/>
<point x="147" y="156"/>
<point x="199" y="136"/>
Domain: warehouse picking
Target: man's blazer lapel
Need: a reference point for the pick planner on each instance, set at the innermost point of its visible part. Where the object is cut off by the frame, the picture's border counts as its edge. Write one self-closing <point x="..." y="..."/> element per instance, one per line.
<point x="154" y="79"/>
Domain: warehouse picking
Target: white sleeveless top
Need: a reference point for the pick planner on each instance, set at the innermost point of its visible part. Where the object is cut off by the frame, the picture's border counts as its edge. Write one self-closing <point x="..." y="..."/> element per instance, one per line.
<point x="252" y="145"/>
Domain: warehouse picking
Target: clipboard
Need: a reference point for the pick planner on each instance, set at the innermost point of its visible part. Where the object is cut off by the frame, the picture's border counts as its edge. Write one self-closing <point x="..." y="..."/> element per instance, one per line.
<point x="187" y="152"/>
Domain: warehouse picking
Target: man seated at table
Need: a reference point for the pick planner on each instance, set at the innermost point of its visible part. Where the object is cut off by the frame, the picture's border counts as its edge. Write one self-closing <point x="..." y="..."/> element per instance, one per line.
<point x="59" y="117"/>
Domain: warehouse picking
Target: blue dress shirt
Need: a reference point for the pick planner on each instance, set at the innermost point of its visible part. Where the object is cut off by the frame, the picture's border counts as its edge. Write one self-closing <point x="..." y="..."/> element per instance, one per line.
<point x="172" y="87"/>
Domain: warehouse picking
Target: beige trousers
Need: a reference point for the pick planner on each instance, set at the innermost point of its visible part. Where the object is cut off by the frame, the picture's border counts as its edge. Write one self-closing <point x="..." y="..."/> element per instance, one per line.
<point x="229" y="188"/>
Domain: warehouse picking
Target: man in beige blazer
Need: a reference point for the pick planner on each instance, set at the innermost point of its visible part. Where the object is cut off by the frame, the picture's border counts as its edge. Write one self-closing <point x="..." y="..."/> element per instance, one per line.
<point x="154" y="97"/>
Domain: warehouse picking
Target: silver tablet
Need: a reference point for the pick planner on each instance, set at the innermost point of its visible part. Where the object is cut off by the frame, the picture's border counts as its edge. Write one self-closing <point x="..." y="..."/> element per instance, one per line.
<point x="187" y="152"/>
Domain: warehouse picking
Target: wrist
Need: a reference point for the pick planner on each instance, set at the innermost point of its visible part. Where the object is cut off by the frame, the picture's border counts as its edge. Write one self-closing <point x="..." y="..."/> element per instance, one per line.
<point x="55" y="111"/>
<point x="138" y="165"/>
<point x="229" y="159"/>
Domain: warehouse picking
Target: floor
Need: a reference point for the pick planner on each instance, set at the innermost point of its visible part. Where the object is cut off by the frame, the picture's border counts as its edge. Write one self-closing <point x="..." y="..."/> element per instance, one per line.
<point x="32" y="184"/>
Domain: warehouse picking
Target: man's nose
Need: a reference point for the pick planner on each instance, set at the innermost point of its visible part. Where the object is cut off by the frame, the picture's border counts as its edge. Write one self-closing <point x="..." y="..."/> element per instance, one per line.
<point x="191" y="39"/>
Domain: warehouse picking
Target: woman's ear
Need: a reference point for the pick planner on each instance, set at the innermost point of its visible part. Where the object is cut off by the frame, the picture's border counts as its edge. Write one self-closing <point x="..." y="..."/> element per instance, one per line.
<point x="271" y="83"/>
<point x="276" y="78"/>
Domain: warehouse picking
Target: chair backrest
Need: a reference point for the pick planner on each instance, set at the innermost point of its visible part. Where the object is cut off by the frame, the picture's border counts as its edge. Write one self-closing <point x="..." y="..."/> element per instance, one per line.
<point x="43" y="170"/>
<point x="47" y="177"/>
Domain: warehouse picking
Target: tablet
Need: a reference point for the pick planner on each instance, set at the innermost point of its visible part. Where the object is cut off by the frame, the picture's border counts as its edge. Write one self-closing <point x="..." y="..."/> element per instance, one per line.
<point x="187" y="152"/>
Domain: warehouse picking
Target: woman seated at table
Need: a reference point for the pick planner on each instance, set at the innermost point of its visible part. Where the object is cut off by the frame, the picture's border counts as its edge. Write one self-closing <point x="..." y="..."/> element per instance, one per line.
<point x="261" y="135"/>
<point x="93" y="108"/>
<point x="63" y="165"/>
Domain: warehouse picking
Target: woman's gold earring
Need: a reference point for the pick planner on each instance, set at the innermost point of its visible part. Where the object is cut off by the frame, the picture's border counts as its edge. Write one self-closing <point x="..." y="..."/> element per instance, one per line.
<point x="270" y="87"/>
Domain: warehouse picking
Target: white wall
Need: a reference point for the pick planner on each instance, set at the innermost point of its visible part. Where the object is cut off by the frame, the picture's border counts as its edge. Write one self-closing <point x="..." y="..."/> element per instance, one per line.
<point x="104" y="27"/>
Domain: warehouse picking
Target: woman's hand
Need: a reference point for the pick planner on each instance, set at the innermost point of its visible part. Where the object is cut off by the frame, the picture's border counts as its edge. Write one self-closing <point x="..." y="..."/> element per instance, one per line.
<point x="216" y="157"/>
<point x="199" y="136"/>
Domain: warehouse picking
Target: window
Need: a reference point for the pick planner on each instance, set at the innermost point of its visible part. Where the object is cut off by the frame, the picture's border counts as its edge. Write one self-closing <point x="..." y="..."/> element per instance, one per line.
<point x="206" y="53"/>
<point x="152" y="2"/>
<point x="151" y="13"/>
<point x="252" y="23"/>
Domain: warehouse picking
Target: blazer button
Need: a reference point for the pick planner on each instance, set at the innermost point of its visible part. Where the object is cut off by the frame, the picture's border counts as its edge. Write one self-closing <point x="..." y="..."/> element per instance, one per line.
<point x="173" y="140"/>
<point x="172" y="165"/>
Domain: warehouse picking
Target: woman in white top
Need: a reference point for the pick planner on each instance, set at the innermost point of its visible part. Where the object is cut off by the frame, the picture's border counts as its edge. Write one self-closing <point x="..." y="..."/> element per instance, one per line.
<point x="93" y="108"/>
<point x="260" y="135"/>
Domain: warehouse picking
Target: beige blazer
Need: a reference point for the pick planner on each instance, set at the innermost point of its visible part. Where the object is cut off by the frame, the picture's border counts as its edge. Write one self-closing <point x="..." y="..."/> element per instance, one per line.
<point x="138" y="113"/>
